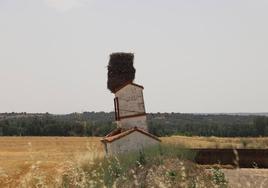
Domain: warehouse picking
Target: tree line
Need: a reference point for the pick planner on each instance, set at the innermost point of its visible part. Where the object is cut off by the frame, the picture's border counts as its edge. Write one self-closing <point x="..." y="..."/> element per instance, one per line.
<point x="160" y="124"/>
<point x="86" y="124"/>
<point x="208" y="125"/>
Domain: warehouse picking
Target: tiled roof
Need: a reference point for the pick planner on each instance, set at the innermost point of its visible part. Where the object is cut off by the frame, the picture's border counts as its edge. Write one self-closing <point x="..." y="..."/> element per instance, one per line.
<point x="120" y="133"/>
<point x="114" y="132"/>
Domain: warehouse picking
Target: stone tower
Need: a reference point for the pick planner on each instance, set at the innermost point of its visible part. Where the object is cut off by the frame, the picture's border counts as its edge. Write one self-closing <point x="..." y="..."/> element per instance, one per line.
<point x="130" y="115"/>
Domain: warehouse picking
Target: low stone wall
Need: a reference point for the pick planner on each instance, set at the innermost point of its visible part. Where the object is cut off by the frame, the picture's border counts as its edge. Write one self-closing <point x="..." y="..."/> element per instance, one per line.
<point x="247" y="158"/>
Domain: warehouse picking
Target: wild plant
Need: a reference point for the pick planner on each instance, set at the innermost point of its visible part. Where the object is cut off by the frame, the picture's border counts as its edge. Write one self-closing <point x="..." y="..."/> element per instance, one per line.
<point x="218" y="177"/>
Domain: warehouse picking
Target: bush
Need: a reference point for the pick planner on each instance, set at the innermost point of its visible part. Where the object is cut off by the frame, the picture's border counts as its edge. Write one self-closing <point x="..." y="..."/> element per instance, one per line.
<point x="218" y="177"/>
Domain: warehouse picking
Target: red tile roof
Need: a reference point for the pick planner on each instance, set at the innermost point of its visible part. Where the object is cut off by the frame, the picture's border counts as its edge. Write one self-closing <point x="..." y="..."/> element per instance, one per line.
<point x="120" y="133"/>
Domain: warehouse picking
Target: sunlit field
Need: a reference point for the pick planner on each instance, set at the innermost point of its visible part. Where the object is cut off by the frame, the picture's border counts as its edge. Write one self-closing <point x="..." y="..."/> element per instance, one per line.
<point x="218" y="142"/>
<point x="43" y="160"/>
<point x="23" y="159"/>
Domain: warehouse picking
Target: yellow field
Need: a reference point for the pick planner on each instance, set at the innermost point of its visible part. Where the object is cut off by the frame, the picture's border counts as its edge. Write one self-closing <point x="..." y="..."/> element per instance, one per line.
<point x="45" y="159"/>
<point x="217" y="142"/>
<point x="25" y="158"/>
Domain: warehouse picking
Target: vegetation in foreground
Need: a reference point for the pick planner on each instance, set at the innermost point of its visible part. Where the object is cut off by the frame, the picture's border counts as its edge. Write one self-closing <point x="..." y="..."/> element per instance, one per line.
<point x="164" y="165"/>
<point x="41" y="161"/>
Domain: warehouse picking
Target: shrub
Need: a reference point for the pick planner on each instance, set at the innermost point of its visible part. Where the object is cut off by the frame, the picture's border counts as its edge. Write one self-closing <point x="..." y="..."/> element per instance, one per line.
<point x="218" y="177"/>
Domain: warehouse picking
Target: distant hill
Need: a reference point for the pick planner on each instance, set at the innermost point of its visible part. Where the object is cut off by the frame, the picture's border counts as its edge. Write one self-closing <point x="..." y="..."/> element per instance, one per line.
<point x="235" y="114"/>
<point x="97" y="115"/>
<point x="251" y="114"/>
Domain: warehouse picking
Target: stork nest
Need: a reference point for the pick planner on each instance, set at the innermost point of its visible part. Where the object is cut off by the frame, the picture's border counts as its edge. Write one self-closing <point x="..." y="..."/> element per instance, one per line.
<point x="120" y="70"/>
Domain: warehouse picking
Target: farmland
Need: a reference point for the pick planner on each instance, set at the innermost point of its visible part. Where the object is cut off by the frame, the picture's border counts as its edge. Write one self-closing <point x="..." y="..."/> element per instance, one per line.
<point x="45" y="159"/>
<point x="26" y="157"/>
<point x="219" y="142"/>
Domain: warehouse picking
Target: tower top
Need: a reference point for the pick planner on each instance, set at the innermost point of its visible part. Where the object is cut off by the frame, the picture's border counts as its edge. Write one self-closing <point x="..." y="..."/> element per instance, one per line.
<point x="118" y="57"/>
<point x="120" y="70"/>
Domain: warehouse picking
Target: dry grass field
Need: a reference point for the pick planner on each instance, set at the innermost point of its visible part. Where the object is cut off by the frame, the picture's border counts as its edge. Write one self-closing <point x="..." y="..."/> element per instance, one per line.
<point x="217" y="142"/>
<point x="44" y="159"/>
<point x="23" y="159"/>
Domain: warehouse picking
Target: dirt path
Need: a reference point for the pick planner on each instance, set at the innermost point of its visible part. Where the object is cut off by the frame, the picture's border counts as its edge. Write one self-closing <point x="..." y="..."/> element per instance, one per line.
<point x="253" y="178"/>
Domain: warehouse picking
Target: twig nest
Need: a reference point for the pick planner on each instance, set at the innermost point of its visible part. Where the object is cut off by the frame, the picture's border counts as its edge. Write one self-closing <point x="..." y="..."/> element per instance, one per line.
<point x="120" y="70"/>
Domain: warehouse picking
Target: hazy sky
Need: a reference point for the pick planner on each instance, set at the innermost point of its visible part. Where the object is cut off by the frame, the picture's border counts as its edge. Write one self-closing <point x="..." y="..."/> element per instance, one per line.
<point x="191" y="55"/>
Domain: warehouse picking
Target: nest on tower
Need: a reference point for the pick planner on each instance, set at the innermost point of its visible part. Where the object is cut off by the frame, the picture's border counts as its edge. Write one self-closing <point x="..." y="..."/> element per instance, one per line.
<point x="120" y="70"/>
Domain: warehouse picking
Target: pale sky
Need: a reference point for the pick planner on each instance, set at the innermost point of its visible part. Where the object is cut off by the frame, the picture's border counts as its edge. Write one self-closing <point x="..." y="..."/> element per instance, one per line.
<point x="191" y="56"/>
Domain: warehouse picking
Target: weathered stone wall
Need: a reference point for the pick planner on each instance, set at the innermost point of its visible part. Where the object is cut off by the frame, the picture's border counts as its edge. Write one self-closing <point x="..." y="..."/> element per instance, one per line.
<point x="132" y="142"/>
<point x="140" y="122"/>
<point x="130" y="100"/>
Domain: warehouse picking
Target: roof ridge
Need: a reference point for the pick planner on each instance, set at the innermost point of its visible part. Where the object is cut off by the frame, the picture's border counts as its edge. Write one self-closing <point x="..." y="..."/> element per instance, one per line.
<point x="125" y="84"/>
<point x="127" y="132"/>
